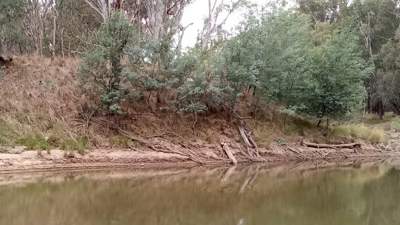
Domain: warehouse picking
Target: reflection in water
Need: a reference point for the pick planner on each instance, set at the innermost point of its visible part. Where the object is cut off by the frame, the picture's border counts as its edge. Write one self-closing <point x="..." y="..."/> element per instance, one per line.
<point x="237" y="196"/>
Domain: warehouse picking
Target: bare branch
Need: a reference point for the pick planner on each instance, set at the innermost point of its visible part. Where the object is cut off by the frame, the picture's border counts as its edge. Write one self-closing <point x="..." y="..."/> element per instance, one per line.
<point x="212" y="23"/>
<point x="102" y="7"/>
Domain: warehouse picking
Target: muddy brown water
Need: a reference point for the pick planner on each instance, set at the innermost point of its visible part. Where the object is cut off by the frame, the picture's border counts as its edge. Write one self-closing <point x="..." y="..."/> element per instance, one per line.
<point x="295" y="194"/>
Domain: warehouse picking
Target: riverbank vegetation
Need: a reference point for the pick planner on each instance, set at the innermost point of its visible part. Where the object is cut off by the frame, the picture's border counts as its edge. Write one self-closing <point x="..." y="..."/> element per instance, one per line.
<point x="96" y="73"/>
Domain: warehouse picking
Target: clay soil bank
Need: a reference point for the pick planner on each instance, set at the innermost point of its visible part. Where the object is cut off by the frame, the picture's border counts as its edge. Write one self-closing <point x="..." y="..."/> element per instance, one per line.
<point x="56" y="160"/>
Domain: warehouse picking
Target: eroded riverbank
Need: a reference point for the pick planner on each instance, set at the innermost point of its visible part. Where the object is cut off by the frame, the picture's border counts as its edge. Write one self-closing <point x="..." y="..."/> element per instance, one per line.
<point x="113" y="158"/>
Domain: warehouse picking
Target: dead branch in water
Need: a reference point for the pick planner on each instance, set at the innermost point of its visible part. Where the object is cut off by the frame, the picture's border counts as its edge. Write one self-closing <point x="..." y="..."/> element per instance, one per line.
<point x="315" y="145"/>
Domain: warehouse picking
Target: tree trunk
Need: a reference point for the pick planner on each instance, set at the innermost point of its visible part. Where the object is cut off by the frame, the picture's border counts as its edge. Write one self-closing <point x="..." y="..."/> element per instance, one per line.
<point x="53" y="48"/>
<point x="327" y="127"/>
<point x="62" y="42"/>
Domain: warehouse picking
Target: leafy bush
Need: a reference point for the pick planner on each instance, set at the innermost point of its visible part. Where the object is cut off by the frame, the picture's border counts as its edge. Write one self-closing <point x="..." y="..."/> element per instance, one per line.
<point x="34" y="142"/>
<point x="200" y="87"/>
<point x="333" y="86"/>
<point x="101" y="68"/>
<point x="322" y="78"/>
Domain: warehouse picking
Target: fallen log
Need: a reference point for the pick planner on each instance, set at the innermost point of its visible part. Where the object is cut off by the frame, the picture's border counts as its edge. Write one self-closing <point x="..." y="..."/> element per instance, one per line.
<point x="315" y="145"/>
<point x="229" y="153"/>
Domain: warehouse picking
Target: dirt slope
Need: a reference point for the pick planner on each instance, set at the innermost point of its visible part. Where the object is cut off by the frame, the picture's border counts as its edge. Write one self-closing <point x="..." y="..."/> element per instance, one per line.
<point x="41" y="96"/>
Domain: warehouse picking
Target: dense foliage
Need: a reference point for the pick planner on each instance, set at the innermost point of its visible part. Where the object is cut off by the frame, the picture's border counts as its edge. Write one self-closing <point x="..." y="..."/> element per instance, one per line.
<point x="322" y="58"/>
<point x="292" y="65"/>
<point x="333" y="86"/>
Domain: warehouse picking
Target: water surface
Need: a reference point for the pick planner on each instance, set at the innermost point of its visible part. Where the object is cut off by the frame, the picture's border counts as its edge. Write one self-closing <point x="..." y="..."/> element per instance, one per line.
<point x="284" y="195"/>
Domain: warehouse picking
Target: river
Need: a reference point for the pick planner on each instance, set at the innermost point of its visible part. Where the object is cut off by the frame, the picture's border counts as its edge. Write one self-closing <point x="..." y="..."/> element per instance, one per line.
<point x="296" y="194"/>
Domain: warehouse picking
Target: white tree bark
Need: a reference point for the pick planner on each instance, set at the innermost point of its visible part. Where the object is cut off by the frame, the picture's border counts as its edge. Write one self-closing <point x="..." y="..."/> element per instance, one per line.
<point x="157" y="18"/>
<point x="218" y="14"/>
<point x="102" y="7"/>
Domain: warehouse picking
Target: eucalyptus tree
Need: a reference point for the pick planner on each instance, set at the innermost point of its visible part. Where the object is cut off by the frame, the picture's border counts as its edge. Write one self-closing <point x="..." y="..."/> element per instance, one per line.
<point x="333" y="84"/>
<point x="101" y="67"/>
<point x="390" y="73"/>
<point x="12" y="35"/>
<point x="378" y="23"/>
<point x="316" y="72"/>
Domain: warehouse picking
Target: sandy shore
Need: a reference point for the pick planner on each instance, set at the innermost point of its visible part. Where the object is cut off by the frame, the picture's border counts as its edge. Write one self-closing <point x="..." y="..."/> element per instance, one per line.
<point x="112" y="158"/>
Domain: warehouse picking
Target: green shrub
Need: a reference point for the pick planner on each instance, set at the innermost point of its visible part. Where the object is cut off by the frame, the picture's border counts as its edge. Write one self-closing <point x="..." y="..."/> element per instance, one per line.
<point x="101" y="67"/>
<point x="79" y="144"/>
<point x="39" y="142"/>
<point x="7" y="133"/>
<point x="34" y="142"/>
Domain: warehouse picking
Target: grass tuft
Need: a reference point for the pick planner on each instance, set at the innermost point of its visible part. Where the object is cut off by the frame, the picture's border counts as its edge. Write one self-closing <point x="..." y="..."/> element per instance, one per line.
<point x="34" y="142"/>
<point x="80" y="144"/>
<point x="395" y="124"/>
<point x="360" y="131"/>
<point x="7" y="133"/>
<point x="263" y="134"/>
<point x="40" y="142"/>
<point x="119" y="141"/>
